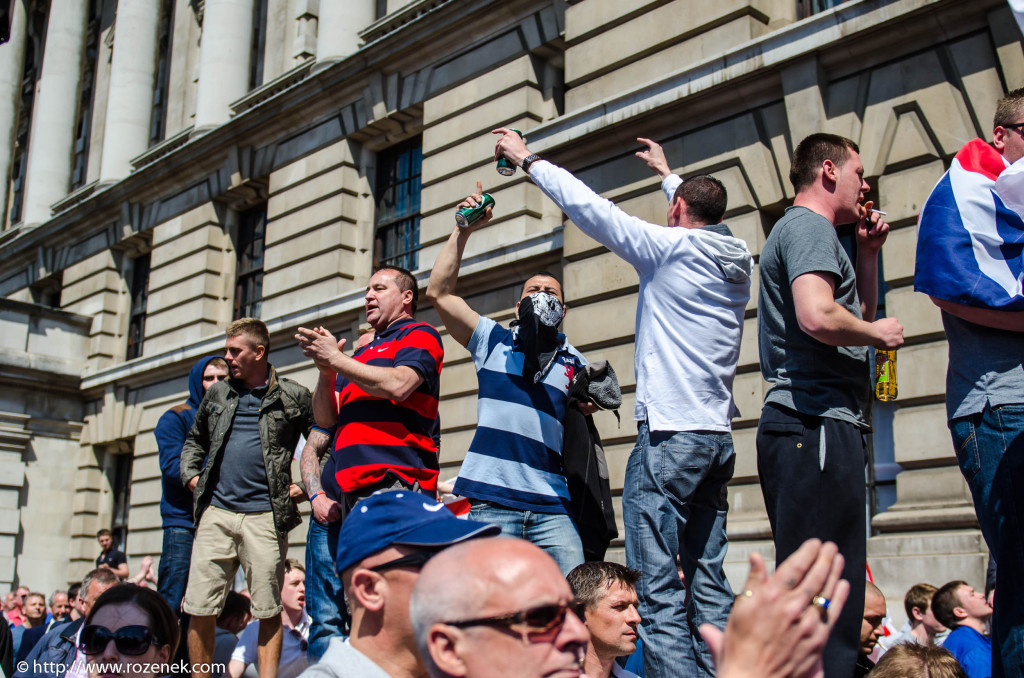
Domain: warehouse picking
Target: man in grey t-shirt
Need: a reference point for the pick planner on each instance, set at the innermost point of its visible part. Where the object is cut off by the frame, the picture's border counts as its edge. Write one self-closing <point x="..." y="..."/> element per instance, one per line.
<point x="815" y="320"/>
<point x="985" y="396"/>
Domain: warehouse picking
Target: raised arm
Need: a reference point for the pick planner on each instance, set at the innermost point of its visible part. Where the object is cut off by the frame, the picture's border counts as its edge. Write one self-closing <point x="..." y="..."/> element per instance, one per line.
<point x="654" y="156"/>
<point x="631" y="238"/>
<point x="820" y="316"/>
<point x="459" y="319"/>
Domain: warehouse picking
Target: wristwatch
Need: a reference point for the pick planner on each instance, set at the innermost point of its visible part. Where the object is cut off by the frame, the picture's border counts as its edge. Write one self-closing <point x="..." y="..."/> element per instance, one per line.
<point x="529" y="160"/>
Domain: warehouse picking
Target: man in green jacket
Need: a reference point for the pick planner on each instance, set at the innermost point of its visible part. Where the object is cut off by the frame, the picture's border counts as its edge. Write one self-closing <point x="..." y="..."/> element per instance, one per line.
<point x="246" y="430"/>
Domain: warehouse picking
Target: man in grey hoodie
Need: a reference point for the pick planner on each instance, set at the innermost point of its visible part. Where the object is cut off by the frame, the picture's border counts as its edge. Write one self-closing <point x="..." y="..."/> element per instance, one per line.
<point x="694" y="289"/>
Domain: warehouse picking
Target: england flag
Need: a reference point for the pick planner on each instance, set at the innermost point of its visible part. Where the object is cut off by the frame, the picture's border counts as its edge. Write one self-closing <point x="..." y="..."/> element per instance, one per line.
<point x="970" y="234"/>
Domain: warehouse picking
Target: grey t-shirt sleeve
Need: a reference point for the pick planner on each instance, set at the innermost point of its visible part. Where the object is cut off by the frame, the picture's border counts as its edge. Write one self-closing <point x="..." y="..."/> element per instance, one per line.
<point x="810" y="249"/>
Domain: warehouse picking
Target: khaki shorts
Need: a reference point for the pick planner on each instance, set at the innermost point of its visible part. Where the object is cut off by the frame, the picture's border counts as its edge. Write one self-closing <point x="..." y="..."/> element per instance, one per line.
<point x="225" y="540"/>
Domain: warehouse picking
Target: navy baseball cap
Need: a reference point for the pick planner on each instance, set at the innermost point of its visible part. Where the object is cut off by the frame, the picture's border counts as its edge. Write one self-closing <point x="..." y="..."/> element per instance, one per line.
<point x="401" y="518"/>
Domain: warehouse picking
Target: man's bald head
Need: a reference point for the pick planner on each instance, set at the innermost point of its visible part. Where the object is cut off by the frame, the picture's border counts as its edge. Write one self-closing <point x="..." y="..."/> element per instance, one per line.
<point x="874" y="616"/>
<point x="487" y="579"/>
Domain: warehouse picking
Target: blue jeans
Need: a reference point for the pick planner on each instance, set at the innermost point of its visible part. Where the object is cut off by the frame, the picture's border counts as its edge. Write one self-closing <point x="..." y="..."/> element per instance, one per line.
<point x="325" y="601"/>
<point x="175" y="556"/>
<point x="674" y="502"/>
<point x="990" y="451"/>
<point x="556" y="533"/>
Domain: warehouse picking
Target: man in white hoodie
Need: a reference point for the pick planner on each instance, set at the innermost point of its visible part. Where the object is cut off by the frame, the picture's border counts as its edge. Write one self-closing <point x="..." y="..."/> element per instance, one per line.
<point x="694" y="288"/>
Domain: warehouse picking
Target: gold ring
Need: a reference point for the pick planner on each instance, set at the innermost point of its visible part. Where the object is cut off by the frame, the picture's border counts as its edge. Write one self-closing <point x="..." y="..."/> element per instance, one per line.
<point x="748" y="593"/>
<point x="822" y="603"/>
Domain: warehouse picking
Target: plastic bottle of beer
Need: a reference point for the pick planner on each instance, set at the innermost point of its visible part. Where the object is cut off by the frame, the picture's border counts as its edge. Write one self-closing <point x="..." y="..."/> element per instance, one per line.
<point x="885" y="375"/>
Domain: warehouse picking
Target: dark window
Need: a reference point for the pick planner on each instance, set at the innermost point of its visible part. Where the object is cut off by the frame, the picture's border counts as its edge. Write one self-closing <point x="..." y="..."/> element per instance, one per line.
<point x="30" y="75"/>
<point x="382" y="8"/>
<point x="259" y="43"/>
<point x="398" y="205"/>
<point x="83" y="124"/>
<point x="46" y="292"/>
<point x="158" y="124"/>
<point x="137" y="315"/>
<point x="252" y="228"/>
<point x="805" y="8"/>
<point x="121" y="486"/>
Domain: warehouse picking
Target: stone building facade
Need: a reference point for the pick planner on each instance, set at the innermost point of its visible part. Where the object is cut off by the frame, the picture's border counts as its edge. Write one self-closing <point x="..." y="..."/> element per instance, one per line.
<point x="160" y="183"/>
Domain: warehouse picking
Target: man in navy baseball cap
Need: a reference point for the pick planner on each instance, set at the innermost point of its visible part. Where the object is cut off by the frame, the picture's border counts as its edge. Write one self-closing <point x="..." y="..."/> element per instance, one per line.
<point x="383" y="543"/>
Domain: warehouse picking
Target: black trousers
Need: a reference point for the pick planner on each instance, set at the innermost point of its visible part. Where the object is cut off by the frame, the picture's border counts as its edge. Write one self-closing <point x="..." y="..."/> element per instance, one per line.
<point x="815" y="487"/>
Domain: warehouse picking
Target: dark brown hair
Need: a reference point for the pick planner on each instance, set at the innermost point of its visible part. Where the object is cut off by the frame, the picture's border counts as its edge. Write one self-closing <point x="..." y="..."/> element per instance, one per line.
<point x="812" y="152"/>
<point x="590" y="581"/>
<point x="705" y="198"/>
<point x="162" y="622"/>
<point x="406" y="282"/>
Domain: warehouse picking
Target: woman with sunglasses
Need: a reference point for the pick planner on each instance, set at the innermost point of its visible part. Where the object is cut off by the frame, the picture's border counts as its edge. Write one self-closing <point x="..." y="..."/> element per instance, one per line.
<point x="130" y="632"/>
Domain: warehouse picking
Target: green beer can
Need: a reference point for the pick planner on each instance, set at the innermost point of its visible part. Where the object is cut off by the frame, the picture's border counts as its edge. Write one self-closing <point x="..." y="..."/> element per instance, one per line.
<point x="506" y="167"/>
<point x="468" y="216"/>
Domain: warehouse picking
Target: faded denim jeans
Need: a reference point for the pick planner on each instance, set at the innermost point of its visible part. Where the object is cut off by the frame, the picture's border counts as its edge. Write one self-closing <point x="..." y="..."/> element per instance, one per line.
<point x="990" y="451"/>
<point x="674" y="502"/>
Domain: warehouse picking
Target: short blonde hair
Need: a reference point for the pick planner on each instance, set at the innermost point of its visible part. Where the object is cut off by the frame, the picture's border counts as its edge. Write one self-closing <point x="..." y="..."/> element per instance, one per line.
<point x="254" y="329"/>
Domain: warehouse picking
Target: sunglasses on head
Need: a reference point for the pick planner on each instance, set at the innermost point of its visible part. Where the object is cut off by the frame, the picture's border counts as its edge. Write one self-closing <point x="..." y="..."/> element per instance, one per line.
<point x="532" y="622"/>
<point x="127" y="639"/>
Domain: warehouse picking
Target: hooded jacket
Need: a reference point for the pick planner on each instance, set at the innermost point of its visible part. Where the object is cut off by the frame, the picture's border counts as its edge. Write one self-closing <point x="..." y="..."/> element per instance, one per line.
<point x="694" y="289"/>
<point x="171" y="432"/>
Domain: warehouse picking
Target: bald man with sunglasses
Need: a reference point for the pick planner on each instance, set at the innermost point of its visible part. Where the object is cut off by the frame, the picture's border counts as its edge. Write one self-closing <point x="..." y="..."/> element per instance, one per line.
<point x="495" y="609"/>
<point x="383" y="543"/>
<point x="499" y="608"/>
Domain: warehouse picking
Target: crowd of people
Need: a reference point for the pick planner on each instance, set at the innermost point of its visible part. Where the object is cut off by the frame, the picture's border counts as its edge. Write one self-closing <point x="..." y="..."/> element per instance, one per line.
<point x="399" y="586"/>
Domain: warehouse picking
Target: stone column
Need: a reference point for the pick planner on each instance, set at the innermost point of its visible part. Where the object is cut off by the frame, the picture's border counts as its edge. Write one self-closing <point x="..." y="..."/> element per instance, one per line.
<point x="339" y="26"/>
<point x="132" y="78"/>
<point x="223" y="59"/>
<point x="52" y="138"/>
<point x="12" y="65"/>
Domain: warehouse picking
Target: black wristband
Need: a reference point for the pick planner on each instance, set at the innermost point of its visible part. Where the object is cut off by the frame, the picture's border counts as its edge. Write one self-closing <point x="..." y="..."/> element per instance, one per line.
<point x="529" y="160"/>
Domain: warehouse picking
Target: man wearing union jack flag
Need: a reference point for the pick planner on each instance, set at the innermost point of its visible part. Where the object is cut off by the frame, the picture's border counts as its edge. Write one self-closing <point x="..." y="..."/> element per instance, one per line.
<point x="970" y="261"/>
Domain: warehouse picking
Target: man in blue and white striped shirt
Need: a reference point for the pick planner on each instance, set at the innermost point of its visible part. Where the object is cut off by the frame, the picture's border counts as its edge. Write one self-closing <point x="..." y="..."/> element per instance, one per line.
<point x="512" y="473"/>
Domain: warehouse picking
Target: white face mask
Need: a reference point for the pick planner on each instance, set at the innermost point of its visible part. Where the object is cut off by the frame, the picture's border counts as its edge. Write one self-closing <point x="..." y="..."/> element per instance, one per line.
<point x="546" y="308"/>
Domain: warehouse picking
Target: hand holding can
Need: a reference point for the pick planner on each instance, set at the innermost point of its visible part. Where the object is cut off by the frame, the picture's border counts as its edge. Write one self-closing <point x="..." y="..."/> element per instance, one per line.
<point x="467" y="216"/>
<point x="506" y="167"/>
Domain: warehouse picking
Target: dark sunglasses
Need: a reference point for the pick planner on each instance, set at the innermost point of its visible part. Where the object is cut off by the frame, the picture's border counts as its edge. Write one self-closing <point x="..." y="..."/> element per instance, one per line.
<point x="416" y="559"/>
<point x="1017" y="127"/>
<point x="530" y="622"/>
<point x="127" y="639"/>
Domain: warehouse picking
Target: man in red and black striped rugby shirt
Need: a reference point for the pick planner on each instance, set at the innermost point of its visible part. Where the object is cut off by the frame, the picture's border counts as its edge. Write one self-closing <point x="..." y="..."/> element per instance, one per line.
<point x="383" y="398"/>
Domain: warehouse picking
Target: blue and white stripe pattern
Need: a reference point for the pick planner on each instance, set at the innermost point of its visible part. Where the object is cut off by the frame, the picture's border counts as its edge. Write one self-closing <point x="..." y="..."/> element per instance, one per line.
<point x="970" y="243"/>
<point x="515" y="459"/>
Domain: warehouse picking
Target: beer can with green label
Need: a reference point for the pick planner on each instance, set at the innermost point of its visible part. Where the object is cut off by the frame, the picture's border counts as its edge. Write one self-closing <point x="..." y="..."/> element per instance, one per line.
<point x="468" y="216"/>
<point x="506" y="167"/>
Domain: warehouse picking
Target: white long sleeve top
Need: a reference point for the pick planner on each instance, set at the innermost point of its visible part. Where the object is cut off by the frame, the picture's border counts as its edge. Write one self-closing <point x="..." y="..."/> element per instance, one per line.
<point x="694" y="287"/>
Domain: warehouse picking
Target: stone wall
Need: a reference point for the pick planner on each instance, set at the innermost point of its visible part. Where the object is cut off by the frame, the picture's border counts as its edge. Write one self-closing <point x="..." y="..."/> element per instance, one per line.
<point x="728" y="88"/>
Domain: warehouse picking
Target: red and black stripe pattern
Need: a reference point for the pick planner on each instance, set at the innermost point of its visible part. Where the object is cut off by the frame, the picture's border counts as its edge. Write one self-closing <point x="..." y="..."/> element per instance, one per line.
<point x="376" y="435"/>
